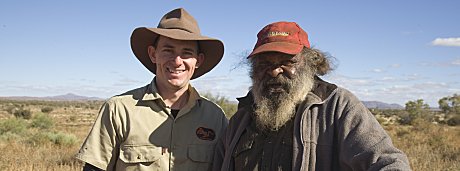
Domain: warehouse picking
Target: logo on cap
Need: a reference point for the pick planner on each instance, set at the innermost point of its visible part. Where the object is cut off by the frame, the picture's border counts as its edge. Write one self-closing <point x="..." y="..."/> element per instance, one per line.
<point x="277" y="33"/>
<point x="205" y="133"/>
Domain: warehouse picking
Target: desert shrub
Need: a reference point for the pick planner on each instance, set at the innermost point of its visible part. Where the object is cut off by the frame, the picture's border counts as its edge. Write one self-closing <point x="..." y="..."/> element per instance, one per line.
<point x="42" y="121"/>
<point x="57" y="138"/>
<point x="10" y="109"/>
<point x="38" y="139"/>
<point x="23" y="113"/>
<point x="405" y="119"/>
<point x="228" y="107"/>
<point x="47" y="109"/>
<point x="13" y="126"/>
<point x="63" y="139"/>
<point x="454" y="121"/>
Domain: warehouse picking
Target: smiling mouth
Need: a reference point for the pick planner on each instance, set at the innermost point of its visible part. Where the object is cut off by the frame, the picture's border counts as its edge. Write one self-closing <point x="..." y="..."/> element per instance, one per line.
<point x="175" y="71"/>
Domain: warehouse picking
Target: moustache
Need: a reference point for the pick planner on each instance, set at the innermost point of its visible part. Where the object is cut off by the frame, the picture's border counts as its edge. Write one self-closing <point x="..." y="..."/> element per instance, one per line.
<point x="280" y="82"/>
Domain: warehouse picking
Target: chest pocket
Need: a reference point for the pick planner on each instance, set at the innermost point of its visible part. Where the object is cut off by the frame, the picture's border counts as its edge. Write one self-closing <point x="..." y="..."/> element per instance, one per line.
<point x="201" y="152"/>
<point x="140" y="153"/>
<point x="201" y="156"/>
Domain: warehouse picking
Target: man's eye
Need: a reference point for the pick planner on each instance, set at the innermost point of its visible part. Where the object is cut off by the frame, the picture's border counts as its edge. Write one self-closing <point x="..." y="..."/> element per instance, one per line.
<point x="187" y="54"/>
<point x="264" y="65"/>
<point x="167" y="50"/>
<point x="289" y="63"/>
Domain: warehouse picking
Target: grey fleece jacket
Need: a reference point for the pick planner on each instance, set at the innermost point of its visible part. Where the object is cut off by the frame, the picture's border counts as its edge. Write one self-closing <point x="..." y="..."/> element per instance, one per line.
<point x="333" y="130"/>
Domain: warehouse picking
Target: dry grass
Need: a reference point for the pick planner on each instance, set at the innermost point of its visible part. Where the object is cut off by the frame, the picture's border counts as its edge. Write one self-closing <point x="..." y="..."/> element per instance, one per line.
<point x="428" y="146"/>
<point x="70" y="119"/>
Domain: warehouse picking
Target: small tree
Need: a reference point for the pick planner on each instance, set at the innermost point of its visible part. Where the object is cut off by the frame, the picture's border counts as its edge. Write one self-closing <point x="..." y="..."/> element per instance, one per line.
<point x="450" y="104"/>
<point x="415" y="109"/>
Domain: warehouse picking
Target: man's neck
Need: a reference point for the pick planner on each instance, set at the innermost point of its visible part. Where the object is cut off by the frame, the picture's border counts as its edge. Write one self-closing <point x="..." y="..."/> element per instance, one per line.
<point x="174" y="98"/>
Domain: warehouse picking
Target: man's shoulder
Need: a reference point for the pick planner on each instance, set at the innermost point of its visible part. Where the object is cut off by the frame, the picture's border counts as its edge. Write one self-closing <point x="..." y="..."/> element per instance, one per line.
<point x="206" y="103"/>
<point x="131" y="95"/>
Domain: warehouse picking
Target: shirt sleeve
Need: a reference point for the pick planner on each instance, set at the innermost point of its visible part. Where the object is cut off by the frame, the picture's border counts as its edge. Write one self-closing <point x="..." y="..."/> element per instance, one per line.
<point x="100" y="148"/>
<point x="364" y="143"/>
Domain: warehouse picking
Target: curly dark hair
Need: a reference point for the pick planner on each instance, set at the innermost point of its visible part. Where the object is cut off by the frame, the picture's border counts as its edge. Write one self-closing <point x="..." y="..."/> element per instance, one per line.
<point x="321" y="61"/>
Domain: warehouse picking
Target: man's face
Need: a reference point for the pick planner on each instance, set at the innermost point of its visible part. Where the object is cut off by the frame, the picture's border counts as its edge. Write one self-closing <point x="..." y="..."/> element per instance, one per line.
<point x="176" y="61"/>
<point x="275" y="71"/>
<point x="280" y="82"/>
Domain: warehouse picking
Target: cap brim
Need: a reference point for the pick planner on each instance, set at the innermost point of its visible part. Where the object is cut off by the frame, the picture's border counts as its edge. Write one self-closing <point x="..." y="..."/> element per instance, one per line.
<point x="283" y="47"/>
<point x="141" y="38"/>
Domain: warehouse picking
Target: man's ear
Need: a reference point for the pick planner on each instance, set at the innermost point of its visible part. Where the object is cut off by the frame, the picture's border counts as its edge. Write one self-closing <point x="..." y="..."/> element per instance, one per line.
<point x="151" y="52"/>
<point x="199" y="59"/>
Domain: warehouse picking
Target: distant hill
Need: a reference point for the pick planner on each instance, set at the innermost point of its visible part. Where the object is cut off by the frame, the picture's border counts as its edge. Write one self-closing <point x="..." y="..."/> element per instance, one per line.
<point x="381" y="105"/>
<point x="74" y="97"/>
<point x="65" y="97"/>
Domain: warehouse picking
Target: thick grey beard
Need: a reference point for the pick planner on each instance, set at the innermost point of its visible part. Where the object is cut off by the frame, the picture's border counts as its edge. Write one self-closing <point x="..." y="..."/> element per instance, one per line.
<point x="273" y="110"/>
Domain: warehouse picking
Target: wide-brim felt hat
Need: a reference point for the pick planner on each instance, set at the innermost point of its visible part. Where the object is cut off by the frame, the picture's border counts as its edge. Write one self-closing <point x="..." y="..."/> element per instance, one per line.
<point x="177" y="24"/>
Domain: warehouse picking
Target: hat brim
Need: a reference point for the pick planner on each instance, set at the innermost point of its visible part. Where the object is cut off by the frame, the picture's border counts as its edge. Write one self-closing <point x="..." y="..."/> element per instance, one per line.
<point x="283" y="47"/>
<point x="142" y="37"/>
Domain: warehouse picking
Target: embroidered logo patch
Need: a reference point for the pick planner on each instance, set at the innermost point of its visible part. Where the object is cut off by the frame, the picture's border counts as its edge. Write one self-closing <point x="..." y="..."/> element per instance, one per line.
<point x="277" y="33"/>
<point x="205" y="133"/>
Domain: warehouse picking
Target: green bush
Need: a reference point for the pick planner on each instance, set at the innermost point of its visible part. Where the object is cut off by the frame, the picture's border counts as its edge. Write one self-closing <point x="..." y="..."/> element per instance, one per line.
<point x="13" y="126"/>
<point x="38" y="139"/>
<point x="23" y="113"/>
<point x="42" y="121"/>
<point x="63" y="139"/>
<point x="454" y="121"/>
<point x="406" y="119"/>
<point x="47" y="109"/>
<point x="57" y="138"/>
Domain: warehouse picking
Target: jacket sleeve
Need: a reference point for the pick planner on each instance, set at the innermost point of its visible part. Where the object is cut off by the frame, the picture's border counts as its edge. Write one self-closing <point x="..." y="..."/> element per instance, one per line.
<point x="364" y="144"/>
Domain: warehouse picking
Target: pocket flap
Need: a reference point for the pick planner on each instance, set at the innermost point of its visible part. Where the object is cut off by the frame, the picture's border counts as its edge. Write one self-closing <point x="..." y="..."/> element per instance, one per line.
<point x="201" y="152"/>
<point x="140" y="153"/>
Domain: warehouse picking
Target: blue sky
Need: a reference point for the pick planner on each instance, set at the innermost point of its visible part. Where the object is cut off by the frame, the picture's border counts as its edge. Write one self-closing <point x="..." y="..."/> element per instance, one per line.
<point x="390" y="51"/>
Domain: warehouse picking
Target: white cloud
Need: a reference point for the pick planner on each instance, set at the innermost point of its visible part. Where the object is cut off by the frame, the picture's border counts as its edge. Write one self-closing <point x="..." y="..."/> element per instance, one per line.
<point x="453" y="41"/>
<point x="395" y="65"/>
<point x="377" y="70"/>
<point x="455" y="62"/>
<point x="451" y="63"/>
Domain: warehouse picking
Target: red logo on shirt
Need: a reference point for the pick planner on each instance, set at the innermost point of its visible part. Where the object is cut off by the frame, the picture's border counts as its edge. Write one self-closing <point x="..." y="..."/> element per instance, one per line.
<point x="205" y="134"/>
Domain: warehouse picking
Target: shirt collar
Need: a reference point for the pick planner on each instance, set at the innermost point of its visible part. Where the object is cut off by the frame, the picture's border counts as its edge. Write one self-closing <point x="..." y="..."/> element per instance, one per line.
<point x="152" y="94"/>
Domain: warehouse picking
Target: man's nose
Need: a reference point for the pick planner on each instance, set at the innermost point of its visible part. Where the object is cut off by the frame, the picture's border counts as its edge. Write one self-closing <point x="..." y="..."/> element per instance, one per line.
<point x="178" y="60"/>
<point x="275" y="71"/>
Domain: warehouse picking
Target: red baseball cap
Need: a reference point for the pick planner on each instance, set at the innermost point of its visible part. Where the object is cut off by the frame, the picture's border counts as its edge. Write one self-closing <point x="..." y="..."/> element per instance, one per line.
<point x="284" y="37"/>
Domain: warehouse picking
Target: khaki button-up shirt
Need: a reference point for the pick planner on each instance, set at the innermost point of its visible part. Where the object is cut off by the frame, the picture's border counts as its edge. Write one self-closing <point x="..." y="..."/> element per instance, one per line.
<point x="136" y="131"/>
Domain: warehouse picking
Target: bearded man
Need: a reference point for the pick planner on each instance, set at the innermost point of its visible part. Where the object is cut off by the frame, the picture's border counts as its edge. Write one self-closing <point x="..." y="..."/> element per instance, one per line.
<point x="293" y="120"/>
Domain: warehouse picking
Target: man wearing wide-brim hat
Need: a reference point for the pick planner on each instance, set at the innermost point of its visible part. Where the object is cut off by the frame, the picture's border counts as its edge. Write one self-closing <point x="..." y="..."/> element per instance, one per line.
<point x="165" y="125"/>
